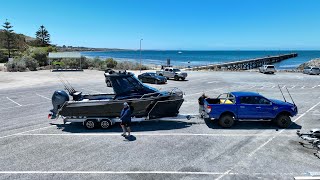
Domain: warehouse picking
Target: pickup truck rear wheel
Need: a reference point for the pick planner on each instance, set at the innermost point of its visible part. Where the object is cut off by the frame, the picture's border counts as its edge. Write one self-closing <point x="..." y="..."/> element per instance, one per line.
<point x="283" y="121"/>
<point x="226" y="121"/>
<point x="176" y="78"/>
<point x="183" y="78"/>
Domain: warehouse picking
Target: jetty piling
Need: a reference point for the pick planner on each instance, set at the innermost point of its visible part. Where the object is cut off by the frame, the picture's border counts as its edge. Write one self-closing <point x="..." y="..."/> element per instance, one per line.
<point x="247" y="64"/>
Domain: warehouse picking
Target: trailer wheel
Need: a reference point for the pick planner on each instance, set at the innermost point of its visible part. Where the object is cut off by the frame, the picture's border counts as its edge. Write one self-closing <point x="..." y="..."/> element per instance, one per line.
<point x="283" y="121"/>
<point x="226" y="121"/>
<point x="90" y="124"/>
<point x="105" y="124"/>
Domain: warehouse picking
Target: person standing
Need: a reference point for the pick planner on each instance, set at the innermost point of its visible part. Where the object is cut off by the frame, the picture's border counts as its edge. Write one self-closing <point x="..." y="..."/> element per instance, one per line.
<point x="125" y="117"/>
<point x="201" y="104"/>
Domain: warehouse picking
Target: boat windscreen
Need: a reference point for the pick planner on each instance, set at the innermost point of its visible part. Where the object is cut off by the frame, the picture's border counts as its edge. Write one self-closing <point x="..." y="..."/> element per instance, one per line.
<point x="127" y="85"/>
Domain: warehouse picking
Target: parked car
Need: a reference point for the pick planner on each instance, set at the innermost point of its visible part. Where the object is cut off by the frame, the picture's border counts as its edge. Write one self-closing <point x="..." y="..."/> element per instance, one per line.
<point x="170" y="72"/>
<point x="267" y="69"/>
<point x="152" y="78"/>
<point x="230" y="107"/>
<point x="311" y="70"/>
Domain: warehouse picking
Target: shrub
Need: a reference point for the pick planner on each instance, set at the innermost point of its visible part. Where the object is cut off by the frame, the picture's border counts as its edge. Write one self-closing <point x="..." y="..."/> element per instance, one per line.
<point x="111" y="63"/>
<point x="31" y="63"/>
<point x="16" y="65"/>
<point x="127" y="65"/>
<point x="86" y="63"/>
<point x="3" y="58"/>
<point x="41" y="55"/>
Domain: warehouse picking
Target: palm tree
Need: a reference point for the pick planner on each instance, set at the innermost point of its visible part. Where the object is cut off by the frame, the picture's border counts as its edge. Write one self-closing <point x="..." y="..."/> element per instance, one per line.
<point x="43" y="36"/>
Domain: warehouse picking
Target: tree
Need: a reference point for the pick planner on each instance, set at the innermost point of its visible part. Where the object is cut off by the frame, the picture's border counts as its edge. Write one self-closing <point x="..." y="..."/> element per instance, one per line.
<point x="8" y="37"/>
<point x="43" y="36"/>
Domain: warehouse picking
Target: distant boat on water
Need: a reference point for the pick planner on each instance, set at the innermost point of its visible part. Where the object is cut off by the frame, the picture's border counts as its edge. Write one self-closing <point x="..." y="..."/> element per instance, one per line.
<point x="179" y="52"/>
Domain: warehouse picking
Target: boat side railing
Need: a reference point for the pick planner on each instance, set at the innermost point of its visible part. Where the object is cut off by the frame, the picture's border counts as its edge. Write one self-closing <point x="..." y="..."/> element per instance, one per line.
<point x="150" y="94"/>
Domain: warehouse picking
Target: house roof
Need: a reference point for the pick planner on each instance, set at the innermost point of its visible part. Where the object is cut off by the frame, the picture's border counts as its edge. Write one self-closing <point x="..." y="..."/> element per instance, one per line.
<point x="55" y="55"/>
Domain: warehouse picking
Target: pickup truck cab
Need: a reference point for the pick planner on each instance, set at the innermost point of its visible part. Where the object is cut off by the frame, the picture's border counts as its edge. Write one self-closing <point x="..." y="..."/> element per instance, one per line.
<point x="233" y="106"/>
<point x="170" y="72"/>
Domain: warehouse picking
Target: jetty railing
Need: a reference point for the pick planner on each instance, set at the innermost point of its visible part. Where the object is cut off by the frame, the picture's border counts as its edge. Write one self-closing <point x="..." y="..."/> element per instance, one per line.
<point x="247" y="64"/>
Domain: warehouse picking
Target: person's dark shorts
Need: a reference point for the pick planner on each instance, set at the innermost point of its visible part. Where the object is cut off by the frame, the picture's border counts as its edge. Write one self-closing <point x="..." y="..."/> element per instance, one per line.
<point x="126" y="124"/>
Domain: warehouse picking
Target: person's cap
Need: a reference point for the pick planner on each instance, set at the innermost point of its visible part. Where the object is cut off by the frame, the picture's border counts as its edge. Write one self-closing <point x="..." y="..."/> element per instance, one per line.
<point x="125" y="104"/>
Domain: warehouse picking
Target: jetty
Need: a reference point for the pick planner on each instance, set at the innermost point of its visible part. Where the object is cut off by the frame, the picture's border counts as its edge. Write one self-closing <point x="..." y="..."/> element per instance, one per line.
<point x="247" y="64"/>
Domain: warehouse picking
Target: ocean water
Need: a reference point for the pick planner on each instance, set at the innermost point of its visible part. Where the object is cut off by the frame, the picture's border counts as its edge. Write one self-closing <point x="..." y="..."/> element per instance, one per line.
<point x="196" y="58"/>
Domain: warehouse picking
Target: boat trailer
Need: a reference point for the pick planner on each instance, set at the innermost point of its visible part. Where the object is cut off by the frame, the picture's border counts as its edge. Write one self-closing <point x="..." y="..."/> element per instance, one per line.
<point x="312" y="138"/>
<point x="106" y="122"/>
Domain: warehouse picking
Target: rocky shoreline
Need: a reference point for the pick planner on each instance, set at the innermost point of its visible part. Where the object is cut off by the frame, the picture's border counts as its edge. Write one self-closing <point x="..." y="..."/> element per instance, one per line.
<point x="312" y="62"/>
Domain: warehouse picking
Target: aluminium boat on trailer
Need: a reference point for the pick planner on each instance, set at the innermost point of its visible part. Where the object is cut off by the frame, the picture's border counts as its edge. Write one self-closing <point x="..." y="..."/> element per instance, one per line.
<point x="144" y="101"/>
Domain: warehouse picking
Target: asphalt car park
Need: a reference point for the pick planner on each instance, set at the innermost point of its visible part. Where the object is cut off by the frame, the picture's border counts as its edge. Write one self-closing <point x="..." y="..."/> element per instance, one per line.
<point x="33" y="147"/>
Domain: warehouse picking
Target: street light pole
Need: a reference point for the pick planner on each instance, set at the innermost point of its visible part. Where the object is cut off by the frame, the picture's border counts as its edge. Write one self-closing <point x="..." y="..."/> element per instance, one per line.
<point x="140" y="54"/>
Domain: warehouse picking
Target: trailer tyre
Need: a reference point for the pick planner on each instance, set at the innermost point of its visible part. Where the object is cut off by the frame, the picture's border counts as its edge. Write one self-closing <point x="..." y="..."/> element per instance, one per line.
<point x="226" y="121"/>
<point x="90" y="124"/>
<point x="105" y="124"/>
<point x="283" y="121"/>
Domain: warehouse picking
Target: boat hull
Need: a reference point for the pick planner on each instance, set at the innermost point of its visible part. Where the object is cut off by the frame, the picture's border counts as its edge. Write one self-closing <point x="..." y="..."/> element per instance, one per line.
<point x="145" y="107"/>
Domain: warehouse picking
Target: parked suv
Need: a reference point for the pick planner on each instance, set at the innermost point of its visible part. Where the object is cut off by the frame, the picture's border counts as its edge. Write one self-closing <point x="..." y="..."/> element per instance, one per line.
<point x="170" y="72"/>
<point x="311" y="70"/>
<point x="267" y="69"/>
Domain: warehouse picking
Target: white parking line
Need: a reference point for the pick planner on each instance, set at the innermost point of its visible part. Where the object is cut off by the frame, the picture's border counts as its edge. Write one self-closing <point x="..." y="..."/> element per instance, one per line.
<point x="14" y="101"/>
<point x="43" y="96"/>
<point x="111" y="172"/>
<point x="224" y="174"/>
<point x="141" y="172"/>
<point x="25" y="105"/>
<point x="24" y="132"/>
<point x="269" y="140"/>
<point x="152" y="134"/>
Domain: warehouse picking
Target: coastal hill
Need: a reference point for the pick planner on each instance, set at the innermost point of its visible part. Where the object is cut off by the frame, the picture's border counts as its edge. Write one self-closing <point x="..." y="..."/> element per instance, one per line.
<point x="21" y="41"/>
<point x="313" y="62"/>
<point x="72" y="48"/>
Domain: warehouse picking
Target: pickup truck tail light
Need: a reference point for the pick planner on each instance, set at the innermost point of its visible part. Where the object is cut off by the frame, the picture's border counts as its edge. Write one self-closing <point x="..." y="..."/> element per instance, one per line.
<point x="208" y="109"/>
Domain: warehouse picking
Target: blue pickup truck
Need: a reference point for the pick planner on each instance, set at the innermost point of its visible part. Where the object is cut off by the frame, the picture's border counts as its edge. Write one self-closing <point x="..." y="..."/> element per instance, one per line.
<point x="233" y="106"/>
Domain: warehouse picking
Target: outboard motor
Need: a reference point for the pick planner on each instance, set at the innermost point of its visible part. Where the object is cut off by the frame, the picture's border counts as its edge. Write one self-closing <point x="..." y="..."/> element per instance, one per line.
<point x="58" y="99"/>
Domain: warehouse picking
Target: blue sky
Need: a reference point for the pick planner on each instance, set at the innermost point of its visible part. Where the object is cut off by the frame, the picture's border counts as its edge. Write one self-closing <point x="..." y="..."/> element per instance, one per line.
<point x="171" y="24"/>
